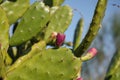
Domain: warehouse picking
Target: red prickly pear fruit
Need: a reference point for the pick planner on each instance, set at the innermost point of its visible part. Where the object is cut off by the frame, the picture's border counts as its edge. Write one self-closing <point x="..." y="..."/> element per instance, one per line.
<point x="60" y="39"/>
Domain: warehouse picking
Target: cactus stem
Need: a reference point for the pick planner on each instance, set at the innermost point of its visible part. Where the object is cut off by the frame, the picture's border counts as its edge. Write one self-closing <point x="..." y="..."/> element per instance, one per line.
<point x="94" y="27"/>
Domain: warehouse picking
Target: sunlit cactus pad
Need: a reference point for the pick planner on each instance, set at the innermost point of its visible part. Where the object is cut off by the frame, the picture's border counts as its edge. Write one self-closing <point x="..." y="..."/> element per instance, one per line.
<point x="4" y="28"/>
<point x="15" y="9"/>
<point x="33" y="21"/>
<point x="52" y="64"/>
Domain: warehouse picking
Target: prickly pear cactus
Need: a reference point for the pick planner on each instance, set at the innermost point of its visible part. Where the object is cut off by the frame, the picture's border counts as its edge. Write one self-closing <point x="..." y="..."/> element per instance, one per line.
<point x="113" y="72"/>
<point x="25" y="56"/>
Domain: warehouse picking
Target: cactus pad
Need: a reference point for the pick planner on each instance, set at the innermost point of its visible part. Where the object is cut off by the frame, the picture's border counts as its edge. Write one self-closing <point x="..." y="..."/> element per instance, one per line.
<point x="52" y="64"/>
<point x="15" y="9"/>
<point x="31" y="24"/>
<point x="114" y="68"/>
<point x="60" y="21"/>
<point x="78" y="33"/>
<point x="4" y="30"/>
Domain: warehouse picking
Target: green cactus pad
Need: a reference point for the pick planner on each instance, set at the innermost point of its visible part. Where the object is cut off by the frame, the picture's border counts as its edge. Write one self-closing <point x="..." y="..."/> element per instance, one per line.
<point x="4" y="39"/>
<point x="33" y="21"/>
<point x="4" y="30"/>
<point x="4" y="36"/>
<point x="53" y="2"/>
<point x="15" y="9"/>
<point x="2" y="66"/>
<point x="78" y="33"/>
<point x="114" y="68"/>
<point x="52" y="64"/>
<point x="60" y="21"/>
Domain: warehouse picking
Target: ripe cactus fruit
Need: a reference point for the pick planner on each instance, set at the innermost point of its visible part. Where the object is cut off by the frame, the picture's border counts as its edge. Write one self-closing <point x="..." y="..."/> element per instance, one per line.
<point x="60" y="21"/>
<point x="33" y="21"/>
<point x="14" y="14"/>
<point x="52" y="64"/>
<point x="60" y="39"/>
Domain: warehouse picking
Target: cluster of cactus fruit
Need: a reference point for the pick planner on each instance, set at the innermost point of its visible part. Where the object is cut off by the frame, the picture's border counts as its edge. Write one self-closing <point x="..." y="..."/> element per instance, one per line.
<point x="24" y="56"/>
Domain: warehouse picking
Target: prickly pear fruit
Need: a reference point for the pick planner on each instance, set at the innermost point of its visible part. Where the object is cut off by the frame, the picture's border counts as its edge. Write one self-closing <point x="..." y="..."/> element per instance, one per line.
<point x="60" y="39"/>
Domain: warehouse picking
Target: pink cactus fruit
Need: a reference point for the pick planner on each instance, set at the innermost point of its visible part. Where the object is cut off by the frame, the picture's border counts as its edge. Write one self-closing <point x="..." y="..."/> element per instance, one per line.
<point x="60" y="39"/>
<point x="89" y="55"/>
<point x="80" y="78"/>
<point x="92" y="51"/>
